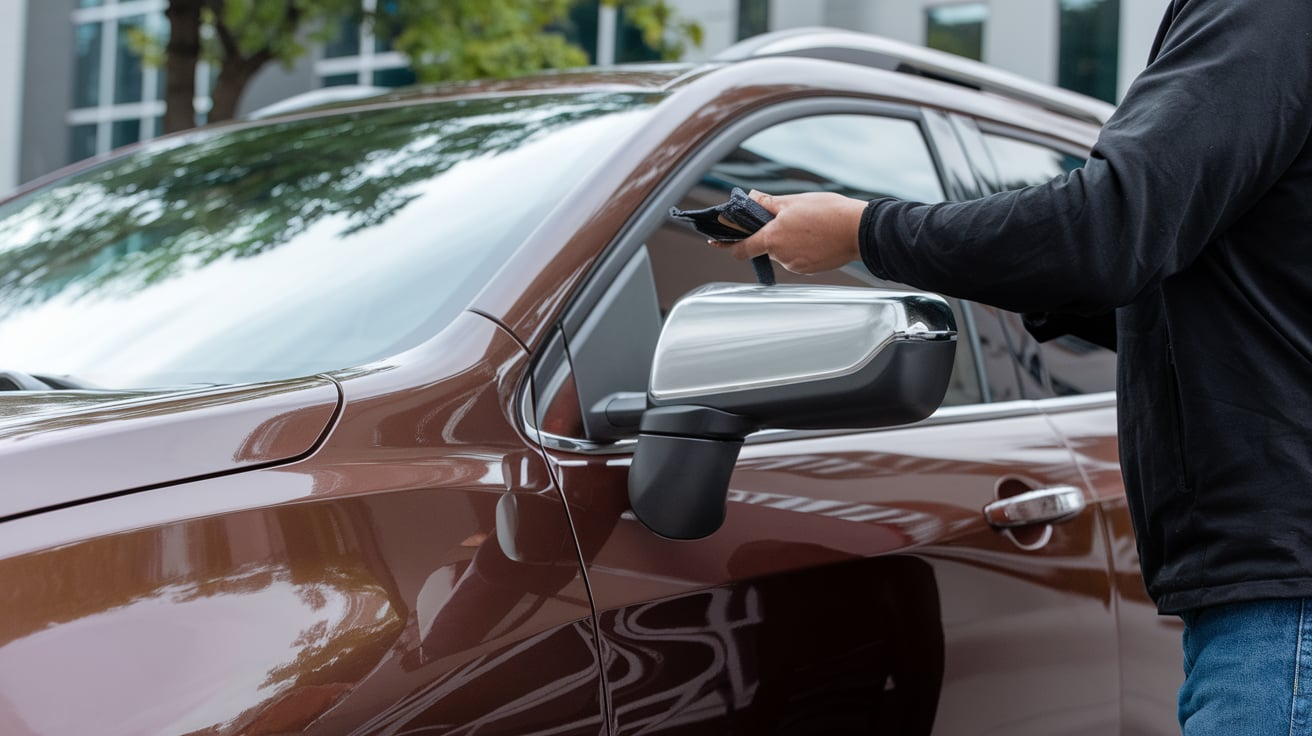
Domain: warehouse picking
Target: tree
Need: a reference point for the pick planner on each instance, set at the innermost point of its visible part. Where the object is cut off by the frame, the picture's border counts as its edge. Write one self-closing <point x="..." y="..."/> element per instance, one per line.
<point x="444" y="39"/>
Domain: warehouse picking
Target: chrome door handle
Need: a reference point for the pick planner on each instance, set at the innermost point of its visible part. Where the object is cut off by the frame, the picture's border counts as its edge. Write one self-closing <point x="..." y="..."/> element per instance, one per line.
<point x="1041" y="506"/>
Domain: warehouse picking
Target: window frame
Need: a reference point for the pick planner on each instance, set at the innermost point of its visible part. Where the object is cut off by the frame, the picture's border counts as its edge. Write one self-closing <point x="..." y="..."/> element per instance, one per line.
<point x="102" y="116"/>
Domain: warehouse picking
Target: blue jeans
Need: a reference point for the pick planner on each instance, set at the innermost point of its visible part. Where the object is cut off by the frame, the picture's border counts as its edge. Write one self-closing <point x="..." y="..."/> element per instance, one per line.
<point x="1248" y="669"/>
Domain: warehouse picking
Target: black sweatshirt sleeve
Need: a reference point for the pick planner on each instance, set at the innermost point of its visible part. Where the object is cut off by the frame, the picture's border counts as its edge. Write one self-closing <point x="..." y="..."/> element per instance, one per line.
<point x="1208" y="127"/>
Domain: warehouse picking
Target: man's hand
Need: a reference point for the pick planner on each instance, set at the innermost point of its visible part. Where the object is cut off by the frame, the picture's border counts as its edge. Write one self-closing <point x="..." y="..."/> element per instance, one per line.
<point x="810" y="233"/>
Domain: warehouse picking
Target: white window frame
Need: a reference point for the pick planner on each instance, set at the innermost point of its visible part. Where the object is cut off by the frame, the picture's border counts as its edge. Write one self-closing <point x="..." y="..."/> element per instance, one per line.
<point x="149" y="110"/>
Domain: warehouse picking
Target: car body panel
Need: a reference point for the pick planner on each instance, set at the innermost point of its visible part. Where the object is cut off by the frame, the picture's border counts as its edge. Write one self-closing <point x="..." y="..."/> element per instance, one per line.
<point x="1149" y="643"/>
<point x="416" y="571"/>
<point x="853" y="584"/>
<point x="73" y="446"/>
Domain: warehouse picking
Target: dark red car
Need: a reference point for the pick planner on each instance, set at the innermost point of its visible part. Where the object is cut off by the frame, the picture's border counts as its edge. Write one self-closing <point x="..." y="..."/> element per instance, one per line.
<point x="327" y="423"/>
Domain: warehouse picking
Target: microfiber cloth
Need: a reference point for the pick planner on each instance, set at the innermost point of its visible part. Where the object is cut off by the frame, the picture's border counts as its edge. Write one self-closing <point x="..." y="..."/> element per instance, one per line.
<point x="730" y="222"/>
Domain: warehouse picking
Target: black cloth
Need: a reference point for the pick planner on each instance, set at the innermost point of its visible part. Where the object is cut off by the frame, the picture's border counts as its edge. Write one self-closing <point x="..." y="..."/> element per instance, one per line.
<point x="745" y="216"/>
<point x="1193" y="220"/>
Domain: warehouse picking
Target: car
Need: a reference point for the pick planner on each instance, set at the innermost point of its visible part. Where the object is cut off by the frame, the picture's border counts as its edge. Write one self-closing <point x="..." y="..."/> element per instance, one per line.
<point x="419" y="413"/>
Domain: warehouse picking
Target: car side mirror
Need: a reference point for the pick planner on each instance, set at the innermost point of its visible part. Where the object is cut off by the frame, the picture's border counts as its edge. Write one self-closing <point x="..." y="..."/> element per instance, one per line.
<point x="733" y="359"/>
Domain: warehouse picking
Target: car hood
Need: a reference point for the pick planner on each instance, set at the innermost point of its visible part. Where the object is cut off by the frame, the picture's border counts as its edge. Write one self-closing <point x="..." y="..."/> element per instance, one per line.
<point x="60" y="448"/>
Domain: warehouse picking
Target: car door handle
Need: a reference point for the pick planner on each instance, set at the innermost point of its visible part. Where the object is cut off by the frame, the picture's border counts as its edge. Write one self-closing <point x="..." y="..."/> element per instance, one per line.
<point x="1040" y="506"/>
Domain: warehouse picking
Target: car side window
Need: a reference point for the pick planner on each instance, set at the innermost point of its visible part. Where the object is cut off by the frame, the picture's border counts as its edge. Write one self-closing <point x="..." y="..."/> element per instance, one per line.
<point x="1023" y="163"/>
<point x="1070" y="365"/>
<point x="863" y="156"/>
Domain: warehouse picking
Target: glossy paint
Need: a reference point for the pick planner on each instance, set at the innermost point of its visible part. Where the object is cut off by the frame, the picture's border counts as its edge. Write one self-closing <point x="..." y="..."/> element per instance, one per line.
<point x="855" y="588"/>
<point x="68" y="447"/>
<point x="1149" y="644"/>
<point x="416" y="571"/>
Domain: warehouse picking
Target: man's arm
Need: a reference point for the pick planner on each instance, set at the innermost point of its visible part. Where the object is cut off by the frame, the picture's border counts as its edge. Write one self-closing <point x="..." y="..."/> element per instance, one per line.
<point x="1208" y="127"/>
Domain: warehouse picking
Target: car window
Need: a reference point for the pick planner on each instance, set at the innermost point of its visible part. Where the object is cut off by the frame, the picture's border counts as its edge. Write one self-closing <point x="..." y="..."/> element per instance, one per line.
<point x="1069" y="365"/>
<point x="863" y="156"/>
<point x="1023" y="163"/>
<point x="272" y="251"/>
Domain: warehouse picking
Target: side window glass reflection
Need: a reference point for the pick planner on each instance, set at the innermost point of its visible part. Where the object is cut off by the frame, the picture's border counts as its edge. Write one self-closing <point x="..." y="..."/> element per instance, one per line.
<point x="1022" y="163"/>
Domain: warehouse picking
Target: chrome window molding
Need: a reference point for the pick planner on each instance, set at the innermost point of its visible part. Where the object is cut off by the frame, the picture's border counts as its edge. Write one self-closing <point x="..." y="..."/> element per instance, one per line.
<point x="948" y="415"/>
<point x="1082" y="402"/>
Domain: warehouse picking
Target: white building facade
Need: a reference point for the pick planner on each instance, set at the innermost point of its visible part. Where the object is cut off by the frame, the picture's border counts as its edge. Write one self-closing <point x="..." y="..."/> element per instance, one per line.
<point x="13" y="22"/>
<point x="76" y="88"/>
<point x="1021" y="36"/>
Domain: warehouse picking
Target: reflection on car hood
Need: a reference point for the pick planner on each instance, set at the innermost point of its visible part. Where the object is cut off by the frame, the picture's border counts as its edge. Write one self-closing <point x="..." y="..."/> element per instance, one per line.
<point x="59" y="448"/>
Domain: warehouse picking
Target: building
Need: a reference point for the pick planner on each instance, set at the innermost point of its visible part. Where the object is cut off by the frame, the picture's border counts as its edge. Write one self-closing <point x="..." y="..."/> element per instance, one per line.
<point x="82" y="90"/>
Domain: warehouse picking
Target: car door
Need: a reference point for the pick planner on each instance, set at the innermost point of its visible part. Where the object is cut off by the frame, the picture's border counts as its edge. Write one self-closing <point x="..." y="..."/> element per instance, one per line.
<point x="855" y="586"/>
<point x="1077" y="388"/>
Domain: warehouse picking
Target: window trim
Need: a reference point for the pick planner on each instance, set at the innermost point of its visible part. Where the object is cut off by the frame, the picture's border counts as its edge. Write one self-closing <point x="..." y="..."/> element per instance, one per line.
<point x="149" y="111"/>
<point x="944" y="416"/>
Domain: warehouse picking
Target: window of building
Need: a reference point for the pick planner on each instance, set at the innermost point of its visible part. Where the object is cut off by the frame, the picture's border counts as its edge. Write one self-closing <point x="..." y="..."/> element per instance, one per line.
<point x="117" y="98"/>
<point x="605" y="34"/>
<point x="630" y="46"/>
<point x="957" y="29"/>
<point x="129" y="69"/>
<point x="82" y="143"/>
<point x="1089" y="47"/>
<point x="345" y="40"/>
<point x="753" y="17"/>
<point x="86" y="84"/>
<point x="363" y="53"/>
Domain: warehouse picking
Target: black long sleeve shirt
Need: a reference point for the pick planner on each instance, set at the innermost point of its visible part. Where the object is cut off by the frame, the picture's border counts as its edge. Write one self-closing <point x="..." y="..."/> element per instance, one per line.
<point x="1193" y="220"/>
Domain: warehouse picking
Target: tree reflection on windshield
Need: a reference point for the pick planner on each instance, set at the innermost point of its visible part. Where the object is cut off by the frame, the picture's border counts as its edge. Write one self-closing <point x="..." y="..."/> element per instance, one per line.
<point x="126" y="236"/>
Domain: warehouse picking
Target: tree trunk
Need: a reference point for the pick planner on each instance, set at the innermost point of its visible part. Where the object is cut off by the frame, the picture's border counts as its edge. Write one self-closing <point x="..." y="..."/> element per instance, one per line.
<point x="231" y="84"/>
<point x="181" y="56"/>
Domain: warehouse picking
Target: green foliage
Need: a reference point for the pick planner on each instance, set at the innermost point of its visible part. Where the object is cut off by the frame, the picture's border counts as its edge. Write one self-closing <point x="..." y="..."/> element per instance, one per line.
<point x="443" y="39"/>
<point x="467" y="39"/>
<point x="662" y="28"/>
<point x="279" y="28"/>
<point x="149" y="47"/>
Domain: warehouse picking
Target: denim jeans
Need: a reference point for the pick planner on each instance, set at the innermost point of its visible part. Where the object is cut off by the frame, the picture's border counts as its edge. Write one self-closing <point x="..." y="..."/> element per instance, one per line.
<point x="1248" y="669"/>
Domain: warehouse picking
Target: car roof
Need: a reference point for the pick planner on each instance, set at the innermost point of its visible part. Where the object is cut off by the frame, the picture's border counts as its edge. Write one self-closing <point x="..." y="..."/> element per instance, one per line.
<point x="878" y="52"/>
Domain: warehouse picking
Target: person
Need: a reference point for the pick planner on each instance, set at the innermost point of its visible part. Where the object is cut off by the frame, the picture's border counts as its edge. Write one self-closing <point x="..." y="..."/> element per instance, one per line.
<point x="1192" y="220"/>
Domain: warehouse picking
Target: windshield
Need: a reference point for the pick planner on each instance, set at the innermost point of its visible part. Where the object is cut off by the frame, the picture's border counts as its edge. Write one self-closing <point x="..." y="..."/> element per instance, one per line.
<point x="287" y="249"/>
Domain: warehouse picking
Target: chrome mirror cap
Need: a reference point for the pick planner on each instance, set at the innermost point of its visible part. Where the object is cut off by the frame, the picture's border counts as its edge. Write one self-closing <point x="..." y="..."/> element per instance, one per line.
<point x="734" y="347"/>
